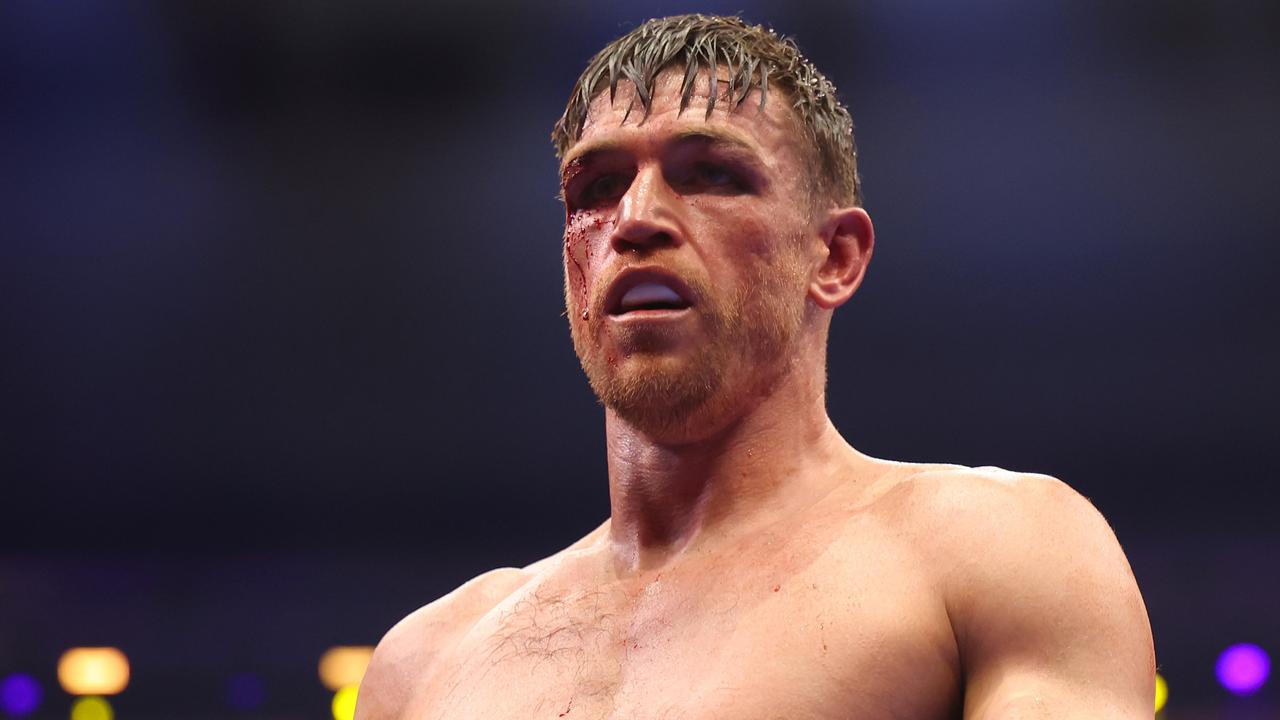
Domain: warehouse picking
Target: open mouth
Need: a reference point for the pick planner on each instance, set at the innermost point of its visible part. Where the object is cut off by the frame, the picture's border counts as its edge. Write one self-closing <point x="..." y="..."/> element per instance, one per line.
<point x="650" y="296"/>
<point x="641" y="291"/>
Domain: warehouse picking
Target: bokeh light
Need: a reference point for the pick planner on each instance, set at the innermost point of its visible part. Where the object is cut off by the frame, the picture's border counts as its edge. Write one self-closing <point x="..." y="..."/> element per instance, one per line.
<point x="92" y="708"/>
<point x="93" y="671"/>
<point x="19" y="695"/>
<point x="1162" y="692"/>
<point x="246" y="691"/>
<point x="344" y="702"/>
<point x="1243" y="668"/>
<point x="344" y="665"/>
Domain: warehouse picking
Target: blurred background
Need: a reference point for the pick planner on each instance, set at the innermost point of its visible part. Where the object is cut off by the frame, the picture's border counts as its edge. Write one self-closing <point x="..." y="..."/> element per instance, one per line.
<point x="283" y="356"/>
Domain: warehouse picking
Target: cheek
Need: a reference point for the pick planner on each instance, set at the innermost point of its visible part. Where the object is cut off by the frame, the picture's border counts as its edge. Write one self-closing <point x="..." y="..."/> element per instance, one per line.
<point x="584" y="230"/>
<point x="754" y="224"/>
<point x="748" y="237"/>
<point x="757" y="260"/>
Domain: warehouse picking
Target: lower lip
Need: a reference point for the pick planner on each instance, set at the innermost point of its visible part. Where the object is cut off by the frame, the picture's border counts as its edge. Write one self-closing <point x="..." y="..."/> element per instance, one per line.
<point x="639" y="316"/>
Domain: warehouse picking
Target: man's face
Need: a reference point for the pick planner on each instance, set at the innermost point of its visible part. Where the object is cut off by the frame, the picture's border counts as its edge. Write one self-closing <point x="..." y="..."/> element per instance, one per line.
<point x="687" y="252"/>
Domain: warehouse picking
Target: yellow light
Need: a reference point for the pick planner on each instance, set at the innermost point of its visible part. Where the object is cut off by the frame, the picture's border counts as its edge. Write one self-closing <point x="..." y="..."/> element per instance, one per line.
<point x="344" y="703"/>
<point x="1162" y="692"/>
<point x="93" y="671"/>
<point x="91" y="708"/>
<point x="344" y="665"/>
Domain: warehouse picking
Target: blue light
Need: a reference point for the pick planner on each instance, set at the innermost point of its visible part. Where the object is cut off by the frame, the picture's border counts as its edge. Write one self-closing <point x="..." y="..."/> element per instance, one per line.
<point x="19" y="695"/>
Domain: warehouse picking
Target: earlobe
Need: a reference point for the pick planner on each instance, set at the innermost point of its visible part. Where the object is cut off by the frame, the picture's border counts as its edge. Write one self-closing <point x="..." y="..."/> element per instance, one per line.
<point x="849" y="238"/>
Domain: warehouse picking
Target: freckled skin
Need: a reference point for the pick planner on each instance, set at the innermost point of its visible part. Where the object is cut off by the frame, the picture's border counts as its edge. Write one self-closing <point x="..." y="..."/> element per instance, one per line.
<point x="754" y="564"/>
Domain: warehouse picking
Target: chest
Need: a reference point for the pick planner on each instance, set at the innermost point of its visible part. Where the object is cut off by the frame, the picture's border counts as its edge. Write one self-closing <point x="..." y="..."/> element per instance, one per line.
<point x="745" y="638"/>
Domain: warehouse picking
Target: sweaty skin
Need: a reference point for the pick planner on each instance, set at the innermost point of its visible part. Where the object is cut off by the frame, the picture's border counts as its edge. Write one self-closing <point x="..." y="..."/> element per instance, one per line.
<point x="755" y="566"/>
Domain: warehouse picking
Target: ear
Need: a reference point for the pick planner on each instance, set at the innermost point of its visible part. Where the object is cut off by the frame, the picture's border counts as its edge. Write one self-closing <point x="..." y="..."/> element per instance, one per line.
<point x="849" y="239"/>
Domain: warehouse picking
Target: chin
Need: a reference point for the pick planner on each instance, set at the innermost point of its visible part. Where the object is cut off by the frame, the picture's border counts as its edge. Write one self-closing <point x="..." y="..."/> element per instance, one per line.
<point x="656" y="393"/>
<point x="674" y="402"/>
<point x="682" y="392"/>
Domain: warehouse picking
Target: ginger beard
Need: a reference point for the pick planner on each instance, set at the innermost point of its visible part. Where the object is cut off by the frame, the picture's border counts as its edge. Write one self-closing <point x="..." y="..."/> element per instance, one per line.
<point x="675" y="387"/>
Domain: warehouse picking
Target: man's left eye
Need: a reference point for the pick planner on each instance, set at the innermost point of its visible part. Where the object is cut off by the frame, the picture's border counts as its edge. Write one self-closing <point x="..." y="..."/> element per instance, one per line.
<point x="713" y="175"/>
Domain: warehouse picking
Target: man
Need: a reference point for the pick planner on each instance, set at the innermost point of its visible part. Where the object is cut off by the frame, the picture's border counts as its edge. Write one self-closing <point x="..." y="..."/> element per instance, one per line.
<point x="755" y="565"/>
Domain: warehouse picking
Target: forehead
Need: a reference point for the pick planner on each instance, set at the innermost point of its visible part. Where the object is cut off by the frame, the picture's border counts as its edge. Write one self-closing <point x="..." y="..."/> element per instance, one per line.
<point x="773" y="130"/>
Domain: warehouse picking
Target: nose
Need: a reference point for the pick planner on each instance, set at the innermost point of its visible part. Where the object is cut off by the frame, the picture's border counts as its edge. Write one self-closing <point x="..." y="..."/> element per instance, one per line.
<point x="646" y="214"/>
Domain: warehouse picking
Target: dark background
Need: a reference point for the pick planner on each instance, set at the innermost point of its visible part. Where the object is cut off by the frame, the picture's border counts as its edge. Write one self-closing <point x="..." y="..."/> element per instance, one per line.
<point x="280" y="295"/>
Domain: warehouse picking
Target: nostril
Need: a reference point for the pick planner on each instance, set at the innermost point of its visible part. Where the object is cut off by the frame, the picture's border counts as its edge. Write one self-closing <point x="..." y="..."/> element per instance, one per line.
<point x="637" y="242"/>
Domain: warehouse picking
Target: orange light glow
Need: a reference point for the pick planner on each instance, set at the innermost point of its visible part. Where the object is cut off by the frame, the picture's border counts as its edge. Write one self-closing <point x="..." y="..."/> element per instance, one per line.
<point x="344" y="665"/>
<point x="93" y="671"/>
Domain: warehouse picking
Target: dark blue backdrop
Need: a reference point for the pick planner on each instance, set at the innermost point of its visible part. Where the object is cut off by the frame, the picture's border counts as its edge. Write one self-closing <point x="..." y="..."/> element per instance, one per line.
<point x="280" y="294"/>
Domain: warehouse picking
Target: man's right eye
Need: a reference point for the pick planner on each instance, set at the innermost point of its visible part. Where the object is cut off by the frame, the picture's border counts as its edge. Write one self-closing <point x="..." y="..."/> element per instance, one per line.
<point x="604" y="188"/>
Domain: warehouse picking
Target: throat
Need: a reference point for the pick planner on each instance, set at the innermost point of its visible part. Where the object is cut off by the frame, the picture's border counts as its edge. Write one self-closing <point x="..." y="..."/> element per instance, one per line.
<point x="655" y="520"/>
<point x="777" y="453"/>
<point x="666" y="501"/>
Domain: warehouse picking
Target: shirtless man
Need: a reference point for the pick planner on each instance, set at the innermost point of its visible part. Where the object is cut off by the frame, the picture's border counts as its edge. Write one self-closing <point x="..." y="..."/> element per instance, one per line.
<point x="756" y="566"/>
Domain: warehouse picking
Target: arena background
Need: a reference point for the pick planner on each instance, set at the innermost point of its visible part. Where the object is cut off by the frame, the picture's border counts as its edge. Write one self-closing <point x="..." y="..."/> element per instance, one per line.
<point x="283" y="355"/>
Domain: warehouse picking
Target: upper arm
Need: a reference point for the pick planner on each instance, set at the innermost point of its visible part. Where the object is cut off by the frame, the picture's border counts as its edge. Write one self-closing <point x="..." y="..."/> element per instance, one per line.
<point x="1046" y="612"/>
<point x="412" y="649"/>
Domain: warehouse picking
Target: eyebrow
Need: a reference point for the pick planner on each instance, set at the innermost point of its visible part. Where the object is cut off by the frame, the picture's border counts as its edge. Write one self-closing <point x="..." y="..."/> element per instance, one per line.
<point x="713" y="136"/>
<point x="706" y="136"/>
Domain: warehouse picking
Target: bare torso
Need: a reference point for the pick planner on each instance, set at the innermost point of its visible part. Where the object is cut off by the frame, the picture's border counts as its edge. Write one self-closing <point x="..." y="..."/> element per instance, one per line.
<point x="835" y="612"/>
<point x="756" y="566"/>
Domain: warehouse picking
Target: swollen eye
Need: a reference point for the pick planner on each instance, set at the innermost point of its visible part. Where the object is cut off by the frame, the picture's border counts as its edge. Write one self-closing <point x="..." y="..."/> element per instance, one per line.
<point x="714" y="175"/>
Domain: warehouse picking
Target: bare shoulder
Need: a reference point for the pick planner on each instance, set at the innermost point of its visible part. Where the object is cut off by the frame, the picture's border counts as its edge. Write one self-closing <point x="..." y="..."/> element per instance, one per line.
<point x="1040" y="595"/>
<point x="413" y="647"/>
<point x="988" y="512"/>
<point x="968" y="493"/>
<point x="981" y="523"/>
<point x="422" y="641"/>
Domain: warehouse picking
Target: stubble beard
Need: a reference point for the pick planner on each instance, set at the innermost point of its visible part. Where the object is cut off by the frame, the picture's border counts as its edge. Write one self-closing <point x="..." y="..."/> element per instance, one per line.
<point x="750" y="339"/>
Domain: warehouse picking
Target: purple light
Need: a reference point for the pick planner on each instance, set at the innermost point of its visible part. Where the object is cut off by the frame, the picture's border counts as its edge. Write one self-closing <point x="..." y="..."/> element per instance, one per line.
<point x="1243" y="668"/>
<point x="246" y="691"/>
<point x="19" y="694"/>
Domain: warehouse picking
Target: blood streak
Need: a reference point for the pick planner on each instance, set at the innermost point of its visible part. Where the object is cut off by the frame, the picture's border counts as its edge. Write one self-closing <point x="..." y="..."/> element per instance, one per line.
<point x="575" y="234"/>
<point x="580" y="226"/>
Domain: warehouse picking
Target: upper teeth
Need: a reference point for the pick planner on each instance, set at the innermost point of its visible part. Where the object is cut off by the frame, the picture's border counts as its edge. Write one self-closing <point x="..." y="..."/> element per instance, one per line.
<point x="649" y="292"/>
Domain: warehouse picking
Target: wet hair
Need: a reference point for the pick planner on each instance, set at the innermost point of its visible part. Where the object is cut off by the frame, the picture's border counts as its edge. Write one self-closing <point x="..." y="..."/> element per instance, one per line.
<point x="751" y="56"/>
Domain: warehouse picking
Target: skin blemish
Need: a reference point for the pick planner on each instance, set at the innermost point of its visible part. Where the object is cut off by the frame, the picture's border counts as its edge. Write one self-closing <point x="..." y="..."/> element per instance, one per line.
<point x="776" y="588"/>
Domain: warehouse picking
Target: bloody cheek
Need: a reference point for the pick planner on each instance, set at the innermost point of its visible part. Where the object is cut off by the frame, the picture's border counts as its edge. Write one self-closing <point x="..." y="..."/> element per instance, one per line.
<point x="575" y="256"/>
<point x="580" y="230"/>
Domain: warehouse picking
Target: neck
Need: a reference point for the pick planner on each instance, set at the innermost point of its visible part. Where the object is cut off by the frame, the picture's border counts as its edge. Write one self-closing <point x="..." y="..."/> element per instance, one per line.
<point x="665" y="496"/>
